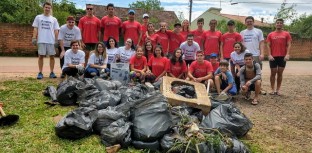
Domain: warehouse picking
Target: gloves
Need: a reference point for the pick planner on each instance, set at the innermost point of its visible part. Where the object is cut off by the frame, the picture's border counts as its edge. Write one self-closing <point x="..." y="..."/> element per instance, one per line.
<point x="222" y="93"/>
<point x="102" y="71"/>
<point x="56" y="44"/>
<point x="80" y="69"/>
<point x="34" y="41"/>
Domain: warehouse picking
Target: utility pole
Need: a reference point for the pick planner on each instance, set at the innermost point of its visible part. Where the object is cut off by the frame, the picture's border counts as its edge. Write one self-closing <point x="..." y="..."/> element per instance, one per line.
<point x="190" y="16"/>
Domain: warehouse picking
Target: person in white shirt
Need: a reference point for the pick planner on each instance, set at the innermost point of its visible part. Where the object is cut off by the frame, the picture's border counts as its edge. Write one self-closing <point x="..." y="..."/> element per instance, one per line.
<point x="74" y="60"/>
<point x="111" y="50"/>
<point x="67" y="33"/>
<point x="189" y="49"/>
<point x="126" y="52"/>
<point x="45" y="36"/>
<point x="97" y="62"/>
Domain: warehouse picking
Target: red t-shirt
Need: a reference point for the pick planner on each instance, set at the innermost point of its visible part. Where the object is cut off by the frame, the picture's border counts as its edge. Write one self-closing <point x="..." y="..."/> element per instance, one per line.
<point x="154" y="38"/>
<point x="111" y="27"/>
<point x="158" y="65"/>
<point x="184" y="35"/>
<point x="198" y="36"/>
<point x="138" y="63"/>
<point x="132" y="30"/>
<point x="278" y="42"/>
<point x="215" y="66"/>
<point x="164" y="41"/>
<point x="175" y="40"/>
<point x="90" y="27"/>
<point x="211" y="41"/>
<point x="144" y="28"/>
<point x="228" y="40"/>
<point x="200" y="69"/>
<point x="178" y="68"/>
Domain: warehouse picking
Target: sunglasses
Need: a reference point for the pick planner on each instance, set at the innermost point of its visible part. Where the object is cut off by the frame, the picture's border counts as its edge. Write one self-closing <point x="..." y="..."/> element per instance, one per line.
<point x="89" y="8"/>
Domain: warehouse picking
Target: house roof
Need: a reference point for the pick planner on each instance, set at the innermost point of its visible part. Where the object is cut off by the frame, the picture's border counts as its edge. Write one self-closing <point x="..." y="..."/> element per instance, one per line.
<point x="242" y="20"/>
<point x="157" y="16"/>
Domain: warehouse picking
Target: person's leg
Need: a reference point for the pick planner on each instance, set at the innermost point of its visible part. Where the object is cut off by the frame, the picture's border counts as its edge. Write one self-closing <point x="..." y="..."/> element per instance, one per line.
<point x="257" y="91"/>
<point x="91" y="72"/>
<point x="52" y="62"/>
<point x="40" y="62"/>
<point x="70" y="71"/>
<point x="218" y="84"/>
<point x="273" y="66"/>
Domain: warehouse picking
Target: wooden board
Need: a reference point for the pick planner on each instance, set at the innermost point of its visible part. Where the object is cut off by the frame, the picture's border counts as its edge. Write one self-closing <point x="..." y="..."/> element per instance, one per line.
<point x="201" y="102"/>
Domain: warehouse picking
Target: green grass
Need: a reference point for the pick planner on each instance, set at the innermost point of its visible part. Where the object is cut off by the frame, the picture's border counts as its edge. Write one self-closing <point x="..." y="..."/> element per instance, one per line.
<point x="34" y="132"/>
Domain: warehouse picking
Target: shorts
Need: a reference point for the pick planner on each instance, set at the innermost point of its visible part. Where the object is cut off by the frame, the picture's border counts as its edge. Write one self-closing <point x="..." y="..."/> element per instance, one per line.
<point x="46" y="49"/>
<point x="90" y="46"/>
<point x="252" y="87"/>
<point x="257" y="60"/>
<point x="278" y="62"/>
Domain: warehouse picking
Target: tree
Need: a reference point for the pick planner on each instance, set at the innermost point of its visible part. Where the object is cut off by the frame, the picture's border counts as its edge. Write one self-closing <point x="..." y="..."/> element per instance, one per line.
<point x="147" y="5"/>
<point x="302" y="26"/>
<point x="286" y="13"/>
<point x="181" y="16"/>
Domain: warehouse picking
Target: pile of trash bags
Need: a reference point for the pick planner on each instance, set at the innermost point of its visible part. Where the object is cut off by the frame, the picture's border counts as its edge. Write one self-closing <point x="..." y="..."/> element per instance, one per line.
<point x="139" y="117"/>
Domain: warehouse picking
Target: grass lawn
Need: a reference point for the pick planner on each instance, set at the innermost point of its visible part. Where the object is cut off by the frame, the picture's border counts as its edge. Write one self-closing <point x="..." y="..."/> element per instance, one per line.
<point x="34" y="132"/>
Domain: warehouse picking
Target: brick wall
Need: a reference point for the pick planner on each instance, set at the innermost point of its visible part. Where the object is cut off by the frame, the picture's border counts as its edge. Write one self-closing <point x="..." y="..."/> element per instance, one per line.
<point x="15" y="40"/>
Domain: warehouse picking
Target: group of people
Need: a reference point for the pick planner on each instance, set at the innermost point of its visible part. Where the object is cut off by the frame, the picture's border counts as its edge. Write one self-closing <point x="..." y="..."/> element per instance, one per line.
<point x="227" y="62"/>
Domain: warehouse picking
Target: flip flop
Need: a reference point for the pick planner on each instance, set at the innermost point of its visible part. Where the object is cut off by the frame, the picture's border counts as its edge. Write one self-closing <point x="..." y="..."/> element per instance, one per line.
<point x="272" y="93"/>
<point x="255" y="102"/>
<point x="278" y="93"/>
<point x="247" y="96"/>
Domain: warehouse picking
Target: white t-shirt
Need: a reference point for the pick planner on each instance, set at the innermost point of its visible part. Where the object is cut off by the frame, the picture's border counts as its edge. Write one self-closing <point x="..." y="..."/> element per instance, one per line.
<point x="251" y="40"/>
<point x="46" y="26"/>
<point x="125" y="55"/>
<point x="72" y="58"/>
<point x="97" y="60"/>
<point x="111" y="55"/>
<point x="67" y="35"/>
<point x="189" y="52"/>
<point x="238" y="58"/>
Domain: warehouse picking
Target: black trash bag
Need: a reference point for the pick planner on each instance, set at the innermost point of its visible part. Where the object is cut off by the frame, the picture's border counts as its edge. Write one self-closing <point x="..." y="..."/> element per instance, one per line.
<point x="118" y="132"/>
<point x="184" y="90"/>
<point x="167" y="142"/>
<point x="117" y="83"/>
<point x="50" y="91"/>
<point x="215" y="102"/>
<point x="100" y="99"/>
<point x="177" y="112"/>
<point x="77" y="123"/>
<point x="239" y="147"/>
<point x="202" y="148"/>
<point x="104" y="84"/>
<point x="105" y="118"/>
<point x="151" y="118"/>
<point x="227" y="117"/>
<point x="66" y="91"/>
<point x="152" y="146"/>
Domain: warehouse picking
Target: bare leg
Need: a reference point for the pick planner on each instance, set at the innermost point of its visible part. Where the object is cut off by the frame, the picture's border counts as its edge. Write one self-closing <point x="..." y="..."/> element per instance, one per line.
<point x="280" y="71"/>
<point x="52" y="62"/>
<point x="86" y="57"/>
<point x="218" y="84"/>
<point x="272" y="78"/>
<point x="40" y="62"/>
<point x="257" y="89"/>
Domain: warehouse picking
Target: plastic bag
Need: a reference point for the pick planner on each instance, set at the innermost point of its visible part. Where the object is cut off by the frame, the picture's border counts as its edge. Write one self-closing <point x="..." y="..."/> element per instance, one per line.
<point x="50" y="91"/>
<point x="100" y="99"/>
<point x="105" y="84"/>
<point x="152" y="146"/>
<point x="151" y="118"/>
<point x="66" y="91"/>
<point x="77" y="123"/>
<point x="227" y="117"/>
<point x="216" y="101"/>
<point x="184" y="90"/>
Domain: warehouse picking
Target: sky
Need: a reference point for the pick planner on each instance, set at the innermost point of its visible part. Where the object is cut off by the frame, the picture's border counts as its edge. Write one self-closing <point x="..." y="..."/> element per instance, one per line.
<point x="257" y="8"/>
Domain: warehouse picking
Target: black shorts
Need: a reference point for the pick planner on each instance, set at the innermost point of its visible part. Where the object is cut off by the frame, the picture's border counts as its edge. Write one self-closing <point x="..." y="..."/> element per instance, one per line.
<point x="189" y="62"/>
<point x="90" y="46"/>
<point x="278" y="62"/>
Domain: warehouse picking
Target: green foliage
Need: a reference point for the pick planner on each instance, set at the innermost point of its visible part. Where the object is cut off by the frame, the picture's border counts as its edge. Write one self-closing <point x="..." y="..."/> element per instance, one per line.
<point x="147" y="5"/>
<point x="222" y="26"/>
<point x="287" y="13"/>
<point x="302" y="26"/>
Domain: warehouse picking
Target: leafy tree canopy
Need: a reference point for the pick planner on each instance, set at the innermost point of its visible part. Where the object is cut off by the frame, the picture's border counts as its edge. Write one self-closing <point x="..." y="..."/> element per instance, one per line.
<point x="147" y="5"/>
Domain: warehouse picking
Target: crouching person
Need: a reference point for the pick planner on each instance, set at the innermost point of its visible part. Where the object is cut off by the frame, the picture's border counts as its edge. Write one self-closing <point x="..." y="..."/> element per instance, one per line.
<point x="224" y="80"/>
<point x="201" y="70"/>
<point x="74" y="60"/>
<point x="250" y="78"/>
<point x="97" y="62"/>
<point x="138" y="66"/>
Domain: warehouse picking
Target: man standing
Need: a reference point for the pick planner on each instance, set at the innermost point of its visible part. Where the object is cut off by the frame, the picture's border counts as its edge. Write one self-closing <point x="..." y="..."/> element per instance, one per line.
<point x="189" y="49"/>
<point x="163" y="37"/>
<point x="132" y="29"/>
<point x="175" y="38"/>
<point x="211" y="39"/>
<point x="278" y="44"/>
<point x="45" y="36"/>
<point x="145" y="22"/>
<point x="90" y="27"/>
<point x="110" y="24"/>
<point x="198" y="33"/>
<point x="227" y="41"/>
<point x="253" y="40"/>
<point x="68" y="32"/>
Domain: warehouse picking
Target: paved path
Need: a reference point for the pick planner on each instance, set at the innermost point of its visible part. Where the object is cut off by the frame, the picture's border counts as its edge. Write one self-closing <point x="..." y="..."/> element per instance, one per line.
<point x="28" y="67"/>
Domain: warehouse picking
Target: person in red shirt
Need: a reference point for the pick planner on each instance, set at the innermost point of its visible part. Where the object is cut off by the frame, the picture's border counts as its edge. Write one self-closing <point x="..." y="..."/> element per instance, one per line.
<point x="132" y="29"/>
<point x="211" y="39"/>
<point x="110" y="24"/>
<point x="185" y="29"/>
<point x="201" y="70"/>
<point x="157" y="66"/>
<point x="175" y="38"/>
<point x="149" y="51"/>
<point x="138" y="65"/>
<point x="177" y="66"/>
<point x="145" y="22"/>
<point x="164" y="38"/>
<point x="278" y="44"/>
<point x="90" y="27"/>
<point x="150" y="35"/>
<point x="198" y="33"/>
<point x="214" y="61"/>
<point x="227" y="41"/>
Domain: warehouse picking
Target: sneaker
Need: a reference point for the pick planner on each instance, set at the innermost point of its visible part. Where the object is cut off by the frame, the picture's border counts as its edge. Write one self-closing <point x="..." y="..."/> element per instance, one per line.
<point x="93" y="74"/>
<point x="62" y="75"/>
<point x="52" y="75"/>
<point x="39" y="76"/>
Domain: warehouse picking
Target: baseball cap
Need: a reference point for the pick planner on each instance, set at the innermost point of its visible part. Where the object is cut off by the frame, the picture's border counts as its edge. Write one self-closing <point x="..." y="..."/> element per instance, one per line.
<point x="213" y="55"/>
<point x="70" y="18"/>
<point x="230" y="22"/>
<point x="131" y="11"/>
<point x="177" y="24"/>
<point x="145" y="15"/>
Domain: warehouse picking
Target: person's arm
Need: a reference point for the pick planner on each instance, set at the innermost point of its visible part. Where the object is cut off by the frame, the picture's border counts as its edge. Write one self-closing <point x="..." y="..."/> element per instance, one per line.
<point x="56" y="32"/>
<point x="286" y="58"/>
<point x="221" y="51"/>
<point x="242" y="76"/>
<point x="208" y="76"/>
<point x="261" y="50"/>
<point x="140" y="34"/>
<point x="34" y="37"/>
<point x="230" y="85"/>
